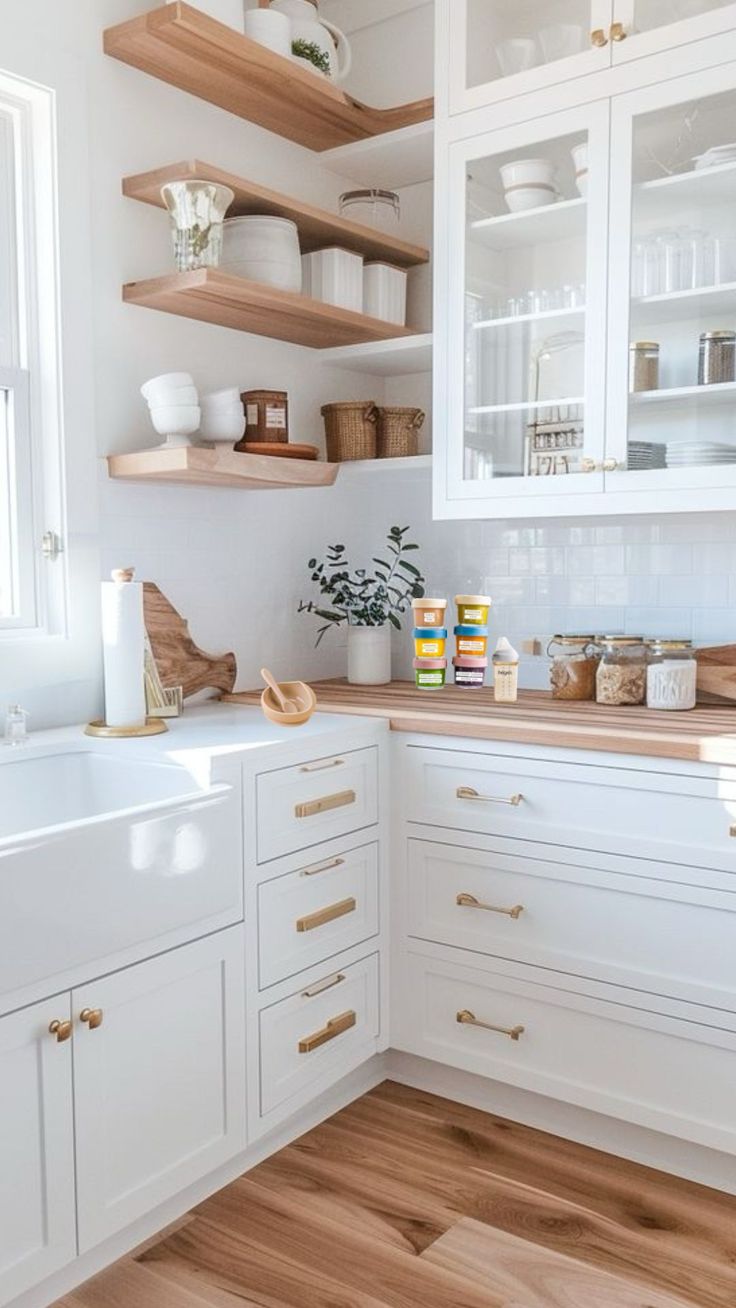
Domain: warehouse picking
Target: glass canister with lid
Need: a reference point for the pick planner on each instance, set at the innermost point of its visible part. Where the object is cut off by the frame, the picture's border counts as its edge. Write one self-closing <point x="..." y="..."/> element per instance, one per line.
<point x="573" y="668"/>
<point x="671" y="675"/>
<point x="622" y="672"/>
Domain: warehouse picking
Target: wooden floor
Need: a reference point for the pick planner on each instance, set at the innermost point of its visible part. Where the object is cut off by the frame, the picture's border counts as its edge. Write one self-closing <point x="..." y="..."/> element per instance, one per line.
<point x="406" y="1200"/>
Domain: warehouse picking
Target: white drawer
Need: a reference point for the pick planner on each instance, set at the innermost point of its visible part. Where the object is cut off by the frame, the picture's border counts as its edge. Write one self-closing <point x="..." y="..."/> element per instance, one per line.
<point x="316" y="1032"/>
<point x="630" y="929"/>
<point x="661" y="1072"/>
<point x="677" y="818"/>
<point x="316" y="911"/>
<point x="315" y="801"/>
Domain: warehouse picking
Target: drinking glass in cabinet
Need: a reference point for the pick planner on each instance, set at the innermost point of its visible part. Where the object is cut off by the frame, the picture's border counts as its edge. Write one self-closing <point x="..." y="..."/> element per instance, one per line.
<point x="505" y="38"/>
<point x="526" y="256"/>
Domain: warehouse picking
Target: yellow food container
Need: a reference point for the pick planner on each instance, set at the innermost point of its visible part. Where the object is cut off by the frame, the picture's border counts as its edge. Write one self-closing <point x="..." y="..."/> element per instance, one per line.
<point x="472" y="610"/>
<point x="429" y="642"/>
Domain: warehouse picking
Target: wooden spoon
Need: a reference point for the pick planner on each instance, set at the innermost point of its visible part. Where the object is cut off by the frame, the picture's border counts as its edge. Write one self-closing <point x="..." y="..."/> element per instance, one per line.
<point x="286" y="705"/>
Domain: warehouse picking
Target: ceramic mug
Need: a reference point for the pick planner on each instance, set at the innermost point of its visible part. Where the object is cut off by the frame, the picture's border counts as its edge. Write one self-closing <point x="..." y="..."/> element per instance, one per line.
<point x="270" y="28"/>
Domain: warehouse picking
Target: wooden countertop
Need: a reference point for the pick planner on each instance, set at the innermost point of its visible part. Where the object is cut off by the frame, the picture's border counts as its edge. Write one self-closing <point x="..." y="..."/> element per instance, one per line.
<point x="707" y="734"/>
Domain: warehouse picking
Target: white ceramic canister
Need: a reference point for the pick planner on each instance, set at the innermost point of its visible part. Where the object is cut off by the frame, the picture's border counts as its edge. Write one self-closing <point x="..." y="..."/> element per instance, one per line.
<point x="270" y="28"/>
<point x="263" y="249"/>
<point x="307" y="26"/>
<point x="334" y="276"/>
<point x="384" y="292"/>
<point x="369" y="655"/>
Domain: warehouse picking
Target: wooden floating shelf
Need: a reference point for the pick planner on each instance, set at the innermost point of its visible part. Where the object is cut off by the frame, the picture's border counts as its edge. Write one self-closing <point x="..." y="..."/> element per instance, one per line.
<point x="317" y="227"/>
<point x="199" y="466"/>
<point x="182" y="46"/>
<point x="211" y="295"/>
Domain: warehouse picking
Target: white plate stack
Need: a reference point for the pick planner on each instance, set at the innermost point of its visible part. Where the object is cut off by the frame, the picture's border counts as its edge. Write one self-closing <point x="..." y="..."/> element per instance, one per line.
<point x="646" y="454"/>
<point x="699" y="454"/>
<point x="718" y="154"/>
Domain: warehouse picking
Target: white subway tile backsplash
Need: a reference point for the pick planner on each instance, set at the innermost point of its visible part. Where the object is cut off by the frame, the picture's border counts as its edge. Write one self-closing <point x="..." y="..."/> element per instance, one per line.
<point x="594" y="560"/>
<point x="659" y="559"/>
<point x="696" y="592"/>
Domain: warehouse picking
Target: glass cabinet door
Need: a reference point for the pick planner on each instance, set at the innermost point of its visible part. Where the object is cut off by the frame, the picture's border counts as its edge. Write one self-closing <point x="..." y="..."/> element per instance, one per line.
<point x="648" y="26"/>
<point x="672" y="327"/>
<point x="502" y="48"/>
<point x="526" y="326"/>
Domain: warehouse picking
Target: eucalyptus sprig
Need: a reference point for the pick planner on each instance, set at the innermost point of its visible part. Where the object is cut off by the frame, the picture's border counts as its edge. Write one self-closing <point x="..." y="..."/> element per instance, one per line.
<point x="360" y="597"/>
<point x="311" y="51"/>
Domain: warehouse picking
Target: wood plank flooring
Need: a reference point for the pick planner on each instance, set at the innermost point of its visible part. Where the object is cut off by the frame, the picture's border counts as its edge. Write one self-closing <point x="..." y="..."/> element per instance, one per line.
<point x="406" y="1200"/>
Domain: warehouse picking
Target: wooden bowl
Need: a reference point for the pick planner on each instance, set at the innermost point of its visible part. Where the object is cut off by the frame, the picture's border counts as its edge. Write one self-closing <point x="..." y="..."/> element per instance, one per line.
<point x="297" y="690"/>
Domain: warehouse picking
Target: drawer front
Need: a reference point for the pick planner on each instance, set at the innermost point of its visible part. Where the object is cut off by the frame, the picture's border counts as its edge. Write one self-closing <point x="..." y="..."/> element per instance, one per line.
<point x="316" y="1032"/>
<point x="663" y="1073"/>
<point x="308" y="915"/>
<point x="629" y="929"/>
<point x="679" y="819"/>
<point x="315" y="801"/>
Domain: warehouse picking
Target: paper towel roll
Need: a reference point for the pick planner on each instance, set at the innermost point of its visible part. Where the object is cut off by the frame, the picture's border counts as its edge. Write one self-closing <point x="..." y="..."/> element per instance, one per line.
<point x="123" y="637"/>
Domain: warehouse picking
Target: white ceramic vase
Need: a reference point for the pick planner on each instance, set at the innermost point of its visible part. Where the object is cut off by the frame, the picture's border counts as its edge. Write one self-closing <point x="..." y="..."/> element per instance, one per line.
<point x="369" y="655"/>
<point x="306" y="25"/>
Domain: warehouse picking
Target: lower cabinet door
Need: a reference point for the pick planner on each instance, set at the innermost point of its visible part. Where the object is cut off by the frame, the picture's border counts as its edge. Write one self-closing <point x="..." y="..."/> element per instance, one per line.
<point x="37" y="1223"/>
<point x="159" y="1070"/>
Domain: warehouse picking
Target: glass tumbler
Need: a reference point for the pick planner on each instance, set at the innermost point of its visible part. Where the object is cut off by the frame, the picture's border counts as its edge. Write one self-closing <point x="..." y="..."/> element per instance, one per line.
<point x="197" y="210"/>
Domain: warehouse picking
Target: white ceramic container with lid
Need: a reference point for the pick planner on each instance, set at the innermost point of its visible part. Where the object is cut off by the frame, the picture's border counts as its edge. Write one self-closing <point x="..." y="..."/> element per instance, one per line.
<point x="384" y="292"/>
<point x="334" y="276"/>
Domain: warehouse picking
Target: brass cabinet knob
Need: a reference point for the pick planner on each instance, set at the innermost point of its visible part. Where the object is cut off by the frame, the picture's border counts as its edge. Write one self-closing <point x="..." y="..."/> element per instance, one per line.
<point x="62" y="1030"/>
<point x="92" y="1017"/>
<point x="588" y="465"/>
<point x="598" y="36"/>
<point x="609" y="465"/>
<point x="617" y="32"/>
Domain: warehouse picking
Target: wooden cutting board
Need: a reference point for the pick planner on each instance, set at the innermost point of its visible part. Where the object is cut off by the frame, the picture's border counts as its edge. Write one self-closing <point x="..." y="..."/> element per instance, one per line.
<point x="179" y="661"/>
<point x="717" y="674"/>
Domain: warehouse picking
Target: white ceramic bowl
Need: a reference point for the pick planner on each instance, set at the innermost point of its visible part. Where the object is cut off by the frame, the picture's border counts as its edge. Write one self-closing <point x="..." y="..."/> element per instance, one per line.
<point x="176" y="419"/>
<point x="263" y="249"/>
<point x="223" y="427"/>
<point x="177" y="396"/>
<point x="221" y="399"/>
<point x="528" y="172"/>
<point x="164" y="384"/>
<point x="530" y="197"/>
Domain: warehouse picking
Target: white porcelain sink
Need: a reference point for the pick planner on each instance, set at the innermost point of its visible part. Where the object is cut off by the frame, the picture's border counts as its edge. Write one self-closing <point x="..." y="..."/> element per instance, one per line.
<point x="57" y="789"/>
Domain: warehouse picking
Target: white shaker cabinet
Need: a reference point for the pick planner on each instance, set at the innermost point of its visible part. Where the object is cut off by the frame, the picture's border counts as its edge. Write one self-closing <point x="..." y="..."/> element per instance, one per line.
<point x="159" y="1080"/>
<point x="37" y="1226"/>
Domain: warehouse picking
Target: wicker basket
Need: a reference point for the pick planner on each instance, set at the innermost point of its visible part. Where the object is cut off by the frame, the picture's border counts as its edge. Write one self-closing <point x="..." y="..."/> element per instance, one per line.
<point x="350" y="430"/>
<point x="398" y="432"/>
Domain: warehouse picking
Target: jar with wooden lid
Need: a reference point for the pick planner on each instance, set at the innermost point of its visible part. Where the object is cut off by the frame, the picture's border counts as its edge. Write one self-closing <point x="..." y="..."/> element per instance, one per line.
<point x="672" y="674"/>
<point x="266" y="415"/>
<point x="643" y="366"/>
<point x="573" y="667"/>
<point x="622" y="672"/>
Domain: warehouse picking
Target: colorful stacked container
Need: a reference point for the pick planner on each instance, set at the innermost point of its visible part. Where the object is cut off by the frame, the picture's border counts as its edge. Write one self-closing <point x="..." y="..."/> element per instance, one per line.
<point x="430" y="643"/>
<point x="471" y="640"/>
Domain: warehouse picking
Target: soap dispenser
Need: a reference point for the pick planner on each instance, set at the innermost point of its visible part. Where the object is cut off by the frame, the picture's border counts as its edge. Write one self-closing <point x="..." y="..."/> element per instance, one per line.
<point x="16" y="732"/>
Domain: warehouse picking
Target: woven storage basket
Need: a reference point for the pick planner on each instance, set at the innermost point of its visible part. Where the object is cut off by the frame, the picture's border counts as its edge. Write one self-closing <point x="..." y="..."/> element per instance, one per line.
<point x="350" y="431"/>
<point x="398" y="432"/>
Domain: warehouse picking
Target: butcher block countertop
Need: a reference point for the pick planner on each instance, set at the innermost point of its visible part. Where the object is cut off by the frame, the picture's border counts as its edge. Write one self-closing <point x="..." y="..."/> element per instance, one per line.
<point x="706" y="734"/>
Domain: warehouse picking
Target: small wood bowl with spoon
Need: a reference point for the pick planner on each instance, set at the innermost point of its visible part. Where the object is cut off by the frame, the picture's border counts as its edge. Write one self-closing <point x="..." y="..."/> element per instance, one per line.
<point x="289" y="703"/>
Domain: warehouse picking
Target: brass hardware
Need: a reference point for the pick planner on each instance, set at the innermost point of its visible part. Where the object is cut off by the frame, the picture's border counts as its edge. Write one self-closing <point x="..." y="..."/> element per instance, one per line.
<point x="62" y="1030"/>
<point x="335" y="1027"/>
<point x="321" y="867"/>
<point x="469" y="1019"/>
<point x="467" y="792"/>
<point x="609" y="465"/>
<point x="732" y="829"/>
<point x="617" y="32"/>
<point x="92" y="1017"/>
<point x="325" y="915"/>
<point x="320" y="986"/>
<point x="598" y="37"/>
<point x="588" y="465"/>
<point x="320" y="767"/>
<point x="314" y="806"/>
<point x="464" y="900"/>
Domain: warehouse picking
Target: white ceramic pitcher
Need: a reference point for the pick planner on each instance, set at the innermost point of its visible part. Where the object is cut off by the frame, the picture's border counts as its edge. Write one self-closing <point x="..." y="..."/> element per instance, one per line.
<point x="306" y="25"/>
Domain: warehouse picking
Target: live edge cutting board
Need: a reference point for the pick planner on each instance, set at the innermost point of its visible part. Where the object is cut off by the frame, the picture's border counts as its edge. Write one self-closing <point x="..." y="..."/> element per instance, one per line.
<point x="717" y="674"/>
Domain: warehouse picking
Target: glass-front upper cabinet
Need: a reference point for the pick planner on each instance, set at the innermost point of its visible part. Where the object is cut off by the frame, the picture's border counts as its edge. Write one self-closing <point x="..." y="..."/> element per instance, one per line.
<point x="672" y="323"/>
<point x="647" y="26"/>
<point x="525" y="321"/>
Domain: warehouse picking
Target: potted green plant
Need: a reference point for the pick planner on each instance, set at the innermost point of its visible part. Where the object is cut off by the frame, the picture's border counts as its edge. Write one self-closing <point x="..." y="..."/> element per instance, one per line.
<point x="368" y="602"/>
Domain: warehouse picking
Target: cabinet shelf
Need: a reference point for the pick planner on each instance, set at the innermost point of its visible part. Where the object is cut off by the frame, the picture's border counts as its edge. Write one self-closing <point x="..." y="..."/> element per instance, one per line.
<point x="317" y="227"/>
<point x="185" y="47"/>
<point x="395" y="159"/>
<point x="678" y="306"/>
<point x="717" y="394"/>
<point x="549" y="223"/>
<point x="211" y="295"/>
<point x="395" y="358"/>
<point x="545" y="315"/>
<point x="699" y="186"/>
<point x="528" y="405"/>
<point x="199" y="466"/>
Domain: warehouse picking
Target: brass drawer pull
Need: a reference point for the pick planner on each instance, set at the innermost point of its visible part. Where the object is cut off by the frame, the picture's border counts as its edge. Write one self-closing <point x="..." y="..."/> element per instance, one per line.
<point x="92" y="1017"/>
<point x="62" y="1030"/>
<point x="320" y="767"/>
<point x="467" y="792"/>
<point x="321" y="867"/>
<point x="320" y="986"/>
<point x="464" y="900"/>
<point x="469" y="1019"/>
<point x="325" y="915"/>
<point x="335" y="1027"/>
<point x="617" y="32"/>
<point x="314" y="806"/>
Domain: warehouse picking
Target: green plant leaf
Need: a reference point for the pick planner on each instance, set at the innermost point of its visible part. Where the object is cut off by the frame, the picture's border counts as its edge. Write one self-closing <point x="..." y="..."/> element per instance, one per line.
<point x="409" y="567"/>
<point x="394" y="621"/>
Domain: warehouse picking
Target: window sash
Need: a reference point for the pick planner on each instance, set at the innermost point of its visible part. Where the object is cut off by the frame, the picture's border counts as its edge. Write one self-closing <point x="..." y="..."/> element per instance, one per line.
<point x="19" y="608"/>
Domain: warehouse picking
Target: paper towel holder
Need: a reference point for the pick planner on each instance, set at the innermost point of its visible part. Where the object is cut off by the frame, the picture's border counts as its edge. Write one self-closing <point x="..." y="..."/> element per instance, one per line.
<point x="153" y="726"/>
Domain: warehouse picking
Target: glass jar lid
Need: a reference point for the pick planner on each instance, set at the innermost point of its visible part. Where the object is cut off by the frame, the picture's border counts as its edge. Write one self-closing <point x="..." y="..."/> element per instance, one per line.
<point x="718" y="336"/>
<point x="621" y="642"/>
<point x="574" y="639"/>
<point x="656" y="644"/>
<point x="644" y="345"/>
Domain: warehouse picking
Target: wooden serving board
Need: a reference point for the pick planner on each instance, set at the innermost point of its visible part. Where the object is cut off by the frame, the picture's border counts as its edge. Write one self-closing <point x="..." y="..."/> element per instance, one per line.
<point x="717" y="674"/>
<point x="179" y="661"/>
<point x="706" y="734"/>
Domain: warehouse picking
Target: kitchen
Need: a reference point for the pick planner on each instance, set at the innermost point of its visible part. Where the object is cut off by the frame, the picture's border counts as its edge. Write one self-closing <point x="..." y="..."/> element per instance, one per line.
<point x="525" y="968"/>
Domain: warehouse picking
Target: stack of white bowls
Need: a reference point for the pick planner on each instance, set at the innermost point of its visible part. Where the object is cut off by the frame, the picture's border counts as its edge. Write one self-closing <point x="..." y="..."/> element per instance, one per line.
<point x="529" y="184"/>
<point x="173" y="403"/>
<point x="263" y="249"/>
<point x="223" y="416"/>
